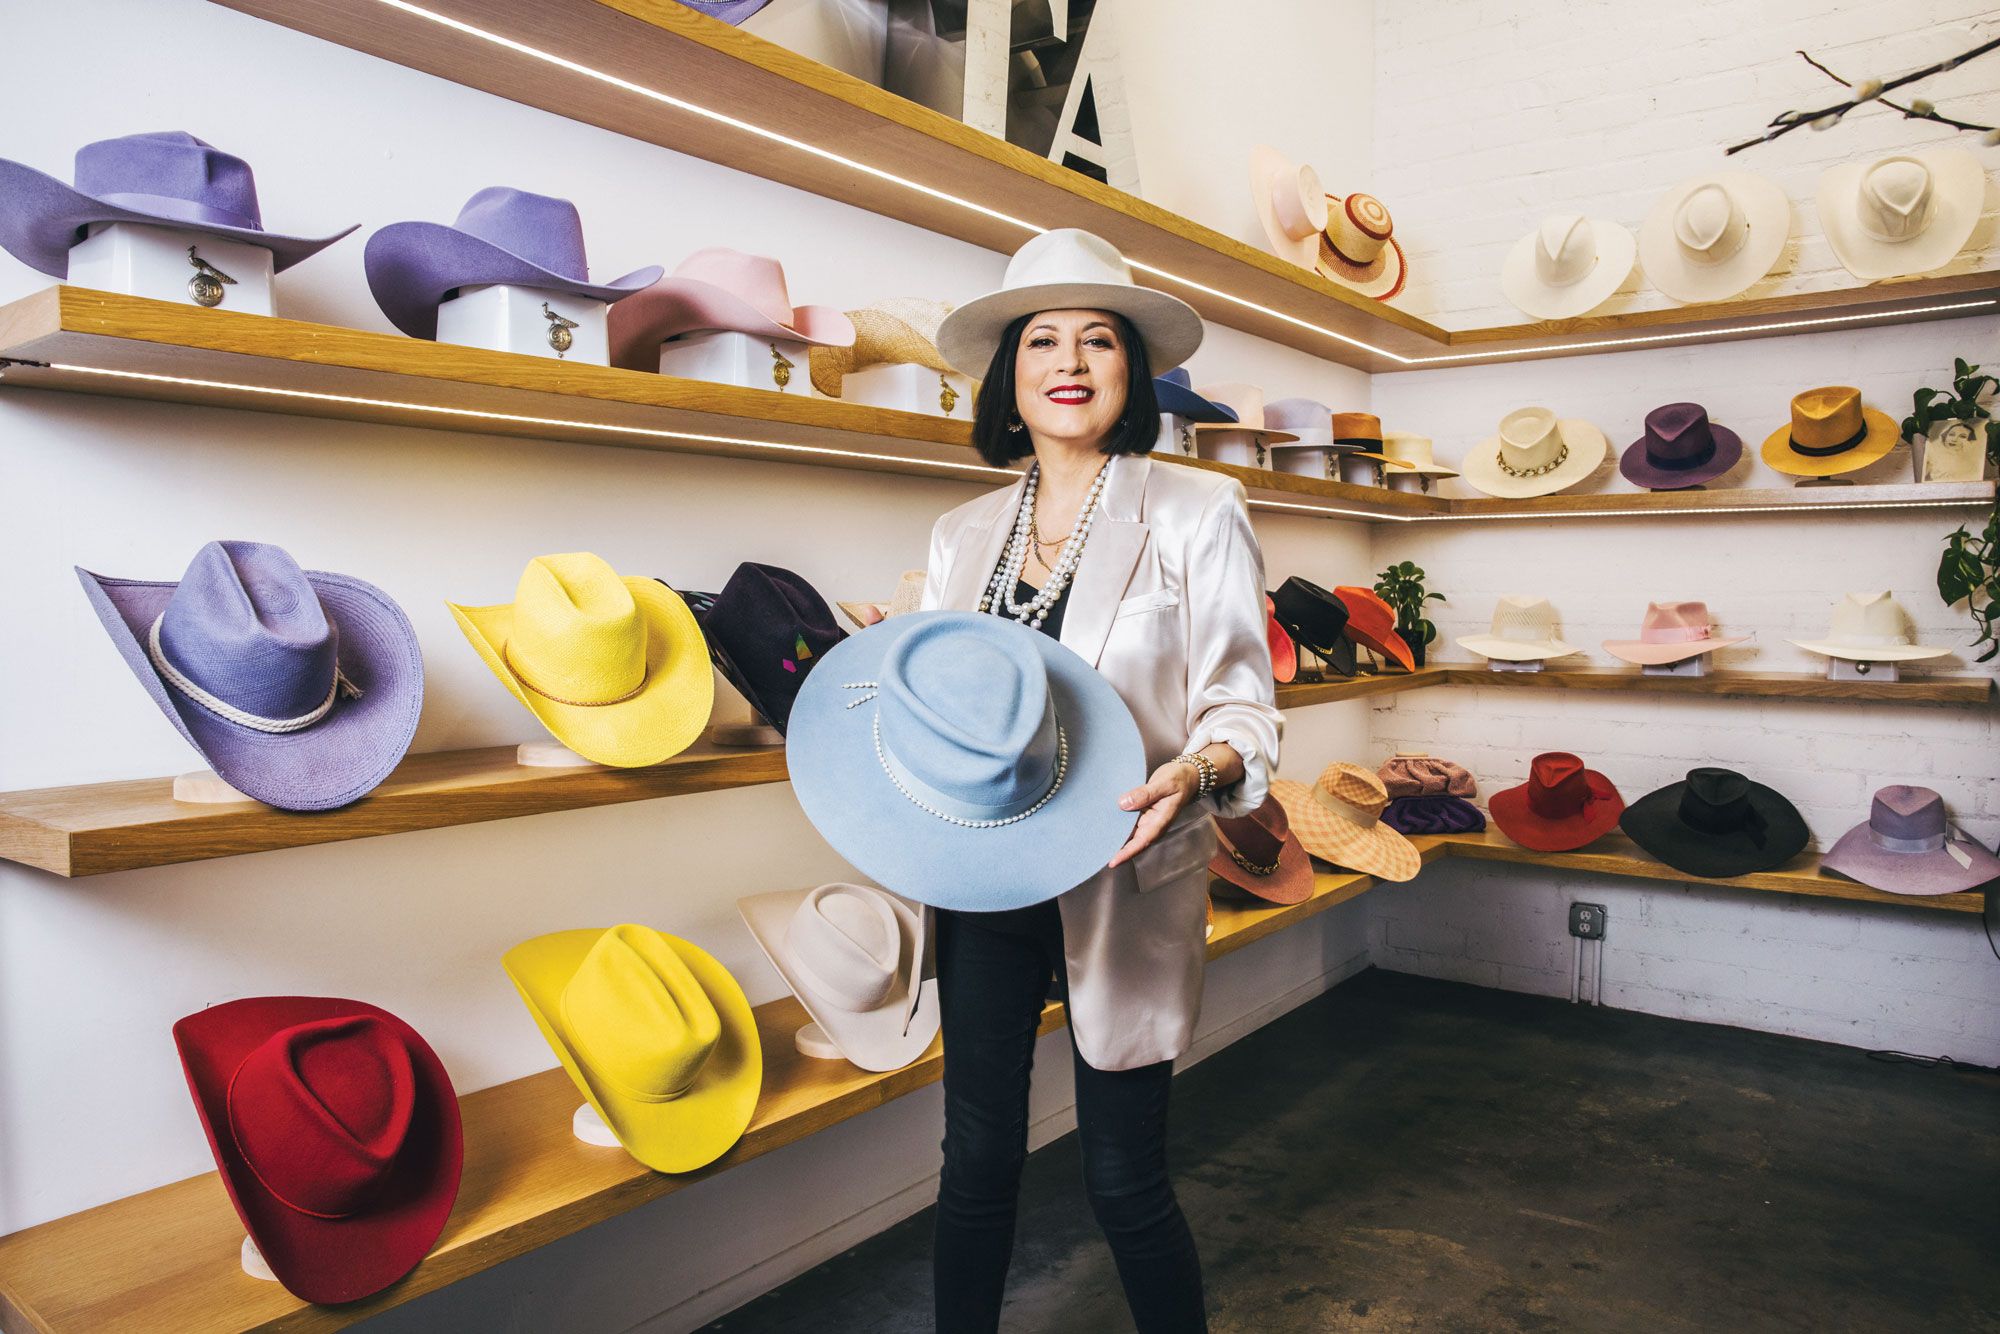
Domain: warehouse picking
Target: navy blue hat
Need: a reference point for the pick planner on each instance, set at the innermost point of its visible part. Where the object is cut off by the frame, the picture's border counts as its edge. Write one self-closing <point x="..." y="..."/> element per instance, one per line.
<point x="766" y="630"/>
<point x="1177" y="397"/>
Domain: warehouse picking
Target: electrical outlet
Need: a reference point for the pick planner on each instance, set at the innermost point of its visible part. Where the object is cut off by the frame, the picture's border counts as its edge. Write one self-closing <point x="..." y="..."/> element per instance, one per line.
<point x="1587" y="920"/>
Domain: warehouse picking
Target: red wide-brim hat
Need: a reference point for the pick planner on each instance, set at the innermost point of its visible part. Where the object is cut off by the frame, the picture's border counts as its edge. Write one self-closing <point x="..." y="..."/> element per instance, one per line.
<point x="328" y="1260"/>
<point x="1509" y="809"/>
<point x="1371" y="623"/>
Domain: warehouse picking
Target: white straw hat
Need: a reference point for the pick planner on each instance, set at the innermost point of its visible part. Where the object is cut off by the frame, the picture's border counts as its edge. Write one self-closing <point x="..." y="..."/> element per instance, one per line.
<point x="1904" y="215"/>
<point x="1524" y="629"/>
<point x="1709" y="238"/>
<point x="1567" y="266"/>
<point x="1870" y="627"/>
<point x="1535" y="453"/>
<point x="1068" y="269"/>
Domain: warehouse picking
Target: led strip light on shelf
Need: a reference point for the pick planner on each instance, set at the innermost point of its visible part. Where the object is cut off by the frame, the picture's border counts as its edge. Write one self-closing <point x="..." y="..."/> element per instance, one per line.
<point x="932" y="192"/>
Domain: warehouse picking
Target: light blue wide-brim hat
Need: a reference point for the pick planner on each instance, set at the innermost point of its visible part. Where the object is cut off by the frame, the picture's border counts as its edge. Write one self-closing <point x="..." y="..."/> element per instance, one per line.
<point x="964" y="760"/>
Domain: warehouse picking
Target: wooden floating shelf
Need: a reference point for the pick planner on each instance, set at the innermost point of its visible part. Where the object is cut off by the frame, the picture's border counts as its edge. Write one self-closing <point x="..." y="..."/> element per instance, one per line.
<point x="1615" y="854"/>
<point x="84" y="341"/>
<point x="705" y="65"/>
<point x="167" y="1259"/>
<point x="94" y="828"/>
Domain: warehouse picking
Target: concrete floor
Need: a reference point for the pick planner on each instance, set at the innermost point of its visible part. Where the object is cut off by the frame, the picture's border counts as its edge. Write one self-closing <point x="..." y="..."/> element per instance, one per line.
<point x="1406" y="1154"/>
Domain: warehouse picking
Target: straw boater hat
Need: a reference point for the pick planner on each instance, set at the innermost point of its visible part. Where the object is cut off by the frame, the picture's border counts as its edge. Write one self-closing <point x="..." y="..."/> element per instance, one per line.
<point x="854" y="955"/>
<point x="1068" y="269"/>
<point x="1900" y="216"/>
<point x="616" y="669"/>
<point x="336" y="1133"/>
<point x="1291" y="204"/>
<point x="1568" y="266"/>
<point x="654" y="1033"/>
<point x="1681" y="448"/>
<point x="1535" y="454"/>
<point x="298" y="687"/>
<point x="718" y="289"/>
<point x="1672" y="632"/>
<point x="1708" y="238"/>
<point x="1560" y="808"/>
<point x="1259" y="854"/>
<point x="895" y="331"/>
<point x="1339" y="819"/>
<point x="908" y="597"/>
<point x="1870" y="627"/>
<point x="1908" y="845"/>
<point x="1358" y="247"/>
<point x="1524" y="630"/>
<point x="1716" y="823"/>
<point x="964" y="761"/>
<point x="1831" y="432"/>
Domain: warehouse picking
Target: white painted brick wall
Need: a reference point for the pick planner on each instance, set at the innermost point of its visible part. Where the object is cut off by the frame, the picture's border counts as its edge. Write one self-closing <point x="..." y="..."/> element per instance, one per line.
<point x="1488" y="117"/>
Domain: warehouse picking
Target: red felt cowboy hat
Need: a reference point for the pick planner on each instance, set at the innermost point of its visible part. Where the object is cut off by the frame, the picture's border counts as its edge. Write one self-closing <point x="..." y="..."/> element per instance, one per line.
<point x="1371" y="623"/>
<point x="1259" y="854"/>
<point x="336" y="1132"/>
<point x="1560" y="808"/>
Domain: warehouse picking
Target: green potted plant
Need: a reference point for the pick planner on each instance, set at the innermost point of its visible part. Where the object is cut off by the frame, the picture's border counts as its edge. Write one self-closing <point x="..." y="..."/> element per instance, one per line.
<point x="1402" y="587"/>
<point x="1969" y="570"/>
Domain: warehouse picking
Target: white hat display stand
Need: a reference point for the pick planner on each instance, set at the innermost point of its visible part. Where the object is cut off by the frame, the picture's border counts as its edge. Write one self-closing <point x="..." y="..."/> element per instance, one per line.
<point x="1846" y="669"/>
<point x="589" y="1127"/>
<point x="550" y="755"/>
<point x="1513" y="665"/>
<point x="1695" y="666"/>
<point x="727" y="357"/>
<point x="1404" y="479"/>
<point x="253" y="1262"/>
<point x="910" y="388"/>
<point x="1176" y="436"/>
<point x="169" y="264"/>
<point x="811" y="1040"/>
<point x="1244" y="449"/>
<point x="533" y="321"/>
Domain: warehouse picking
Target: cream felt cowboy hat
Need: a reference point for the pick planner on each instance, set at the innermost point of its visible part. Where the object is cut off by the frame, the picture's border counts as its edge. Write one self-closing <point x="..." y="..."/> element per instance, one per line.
<point x="1903" y="215"/>
<point x="1870" y="627"/>
<point x="1567" y="266"/>
<point x="616" y="669"/>
<point x="1291" y="205"/>
<point x="1535" y="454"/>
<point x="1524" y="630"/>
<point x="1708" y="238"/>
<point x="1068" y="269"/>
<point x="854" y="956"/>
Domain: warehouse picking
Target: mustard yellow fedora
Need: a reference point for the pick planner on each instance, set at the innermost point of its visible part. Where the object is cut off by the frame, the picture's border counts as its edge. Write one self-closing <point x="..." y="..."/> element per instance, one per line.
<point x="615" y="668"/>
<point x="1830" y="433"/>
<point x="655" y="1034"/>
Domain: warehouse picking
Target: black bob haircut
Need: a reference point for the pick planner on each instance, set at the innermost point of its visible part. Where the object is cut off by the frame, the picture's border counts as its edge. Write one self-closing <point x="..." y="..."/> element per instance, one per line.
<point x="1135" y="431"/>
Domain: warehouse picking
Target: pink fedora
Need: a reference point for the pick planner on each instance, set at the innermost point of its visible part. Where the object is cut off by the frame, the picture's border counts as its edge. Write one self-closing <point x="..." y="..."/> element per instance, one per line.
<point x="1673" y="632"/>
<point x="719" y="289"/>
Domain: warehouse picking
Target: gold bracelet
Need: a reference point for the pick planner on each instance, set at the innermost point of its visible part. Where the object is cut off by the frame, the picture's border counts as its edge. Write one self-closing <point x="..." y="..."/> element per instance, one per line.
<point x="1206" y="776"/>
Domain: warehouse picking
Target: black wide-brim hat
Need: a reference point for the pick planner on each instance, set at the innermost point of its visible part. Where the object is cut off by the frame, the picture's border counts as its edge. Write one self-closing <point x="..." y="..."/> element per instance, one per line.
<point x="766" y="630"/>
<point x="1715" y="823"/>
<point x="1317" y="619"/>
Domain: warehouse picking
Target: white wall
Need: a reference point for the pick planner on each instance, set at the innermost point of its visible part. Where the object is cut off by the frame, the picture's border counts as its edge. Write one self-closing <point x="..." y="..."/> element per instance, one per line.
<point x="1490" y="116"/>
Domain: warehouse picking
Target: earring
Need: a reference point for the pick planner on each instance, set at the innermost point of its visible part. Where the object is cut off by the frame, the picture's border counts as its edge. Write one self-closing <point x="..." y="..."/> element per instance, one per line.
<point x="1014" y="424"/>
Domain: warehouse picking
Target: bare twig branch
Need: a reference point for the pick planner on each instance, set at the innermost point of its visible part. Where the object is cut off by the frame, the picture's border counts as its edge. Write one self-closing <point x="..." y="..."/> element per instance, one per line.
<point x="1787" y="121"/>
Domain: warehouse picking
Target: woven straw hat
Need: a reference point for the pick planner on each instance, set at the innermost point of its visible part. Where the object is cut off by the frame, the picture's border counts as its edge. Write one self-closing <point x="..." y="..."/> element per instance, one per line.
<point x="1524" y="629"/>
<point x="1339" y="819"/>
<point x="895" y="331"/>
<point x="908" y="597"/>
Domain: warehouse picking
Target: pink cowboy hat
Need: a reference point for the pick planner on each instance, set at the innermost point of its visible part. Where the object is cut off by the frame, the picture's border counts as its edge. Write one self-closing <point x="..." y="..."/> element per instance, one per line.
<point x="719" y="288"/>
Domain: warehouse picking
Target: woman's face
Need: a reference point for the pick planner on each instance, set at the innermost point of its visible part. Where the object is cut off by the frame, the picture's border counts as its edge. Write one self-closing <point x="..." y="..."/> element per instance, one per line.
<point x="1069" y="375"/>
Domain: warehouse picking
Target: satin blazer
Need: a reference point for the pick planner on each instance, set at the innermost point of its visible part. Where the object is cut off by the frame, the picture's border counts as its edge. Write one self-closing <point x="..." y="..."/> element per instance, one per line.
<point x="1167" y="603"/>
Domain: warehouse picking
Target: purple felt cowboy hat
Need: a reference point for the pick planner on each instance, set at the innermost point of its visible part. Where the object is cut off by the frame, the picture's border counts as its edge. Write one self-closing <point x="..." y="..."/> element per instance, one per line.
<point x="1908" y="846"/>
<point x="299" y="688"/>
<point x="729" y="11"/>
<point x="1681" y="448"/>
<point x="166" y="179"/>
<point x="501" y="236"/>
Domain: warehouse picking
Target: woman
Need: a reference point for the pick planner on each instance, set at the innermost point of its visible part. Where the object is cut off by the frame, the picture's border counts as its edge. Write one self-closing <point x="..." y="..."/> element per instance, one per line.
<point x="1152" y="575"/>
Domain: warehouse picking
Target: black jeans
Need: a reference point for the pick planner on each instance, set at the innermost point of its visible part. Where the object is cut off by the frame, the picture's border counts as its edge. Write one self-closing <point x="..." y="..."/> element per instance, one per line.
<point x="994" y="974"/>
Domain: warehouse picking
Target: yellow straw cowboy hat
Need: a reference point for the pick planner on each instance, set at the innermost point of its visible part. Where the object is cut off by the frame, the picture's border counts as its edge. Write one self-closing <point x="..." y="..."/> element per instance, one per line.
<point x="615" y="668"/>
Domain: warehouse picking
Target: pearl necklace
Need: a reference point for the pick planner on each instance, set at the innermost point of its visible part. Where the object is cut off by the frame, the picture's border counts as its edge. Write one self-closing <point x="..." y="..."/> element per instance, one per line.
<point x="1000" y="589"/>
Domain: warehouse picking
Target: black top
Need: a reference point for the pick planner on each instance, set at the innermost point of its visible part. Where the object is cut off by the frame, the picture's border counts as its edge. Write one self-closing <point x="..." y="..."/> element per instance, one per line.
<point x="1052" y="624"/>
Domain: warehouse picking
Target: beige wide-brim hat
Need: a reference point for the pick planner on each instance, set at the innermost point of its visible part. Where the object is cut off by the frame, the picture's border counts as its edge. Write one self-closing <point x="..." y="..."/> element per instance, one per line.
<point x="1291" y="205"/>
<point x="1957" y="194"/>
<point x="1567" y="266"/>
<point x="895" y="331"/>
<point x="898" y="1026"/>
<point x="1532" y="622"/>
<point x="1413" y="451"/>
<point x="1870" y="627"/>
<point x="1068" y="269"/>
<point x="1587" y="451"/>
<point x="1678" y="268"/>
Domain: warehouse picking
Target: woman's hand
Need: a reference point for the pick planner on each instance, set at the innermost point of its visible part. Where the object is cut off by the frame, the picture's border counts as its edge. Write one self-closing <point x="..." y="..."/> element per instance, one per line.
<point x="1171" y="787"/>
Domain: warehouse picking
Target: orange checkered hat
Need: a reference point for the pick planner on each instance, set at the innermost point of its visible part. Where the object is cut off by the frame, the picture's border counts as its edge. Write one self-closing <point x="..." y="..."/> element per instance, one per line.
<point x="1339" y="820"/>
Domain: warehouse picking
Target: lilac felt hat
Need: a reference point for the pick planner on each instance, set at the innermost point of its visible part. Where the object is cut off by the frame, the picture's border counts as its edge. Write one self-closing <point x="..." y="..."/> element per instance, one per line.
<point x="1908" y="846"/>
<point x="299" y="688"/>
<point x="729" y="11"/>
<point x="501" y="236"/>
<point x="1681" y="448"/>
<point x="166" y="179"/>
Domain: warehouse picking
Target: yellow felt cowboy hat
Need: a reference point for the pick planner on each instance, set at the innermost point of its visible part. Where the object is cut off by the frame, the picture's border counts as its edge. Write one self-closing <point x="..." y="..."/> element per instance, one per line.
<point x="616" y="669"/>
<point x="655" y="1034"/>
<point x="1830" y="433"/>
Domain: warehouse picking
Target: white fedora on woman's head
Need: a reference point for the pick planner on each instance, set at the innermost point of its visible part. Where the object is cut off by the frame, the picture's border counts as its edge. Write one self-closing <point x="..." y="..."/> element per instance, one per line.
<point x="1903" y="215"/>
<point x="1568" y="265"/>
<point x="1536" y="453"/>
<point x="1709" y="238"/>
<point x="1068" y="269"/>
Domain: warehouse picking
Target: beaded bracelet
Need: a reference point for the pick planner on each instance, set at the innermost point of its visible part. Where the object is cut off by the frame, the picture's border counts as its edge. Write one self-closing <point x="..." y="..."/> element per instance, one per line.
<point x="1204" y="768"/>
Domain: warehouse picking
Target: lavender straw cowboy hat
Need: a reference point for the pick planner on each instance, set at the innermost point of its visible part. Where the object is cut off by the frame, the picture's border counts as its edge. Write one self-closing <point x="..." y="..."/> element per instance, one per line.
<point x="1909" y="846"/>
<point x="299" y="688"/>
<point x="1681" y="448"/>
<point x="501" y="236"/>
<point x="164" y="179"/>
<point x="964" y="761"/>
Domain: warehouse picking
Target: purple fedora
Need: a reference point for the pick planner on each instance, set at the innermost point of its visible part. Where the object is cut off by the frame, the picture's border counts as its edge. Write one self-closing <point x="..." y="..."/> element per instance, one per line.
<point x="501" y="236"/>
<point x="300" y="689"/>
<point x="167" y="179"/>
<point x="1909" y="847"/>
<point x="1681" y="447"/>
